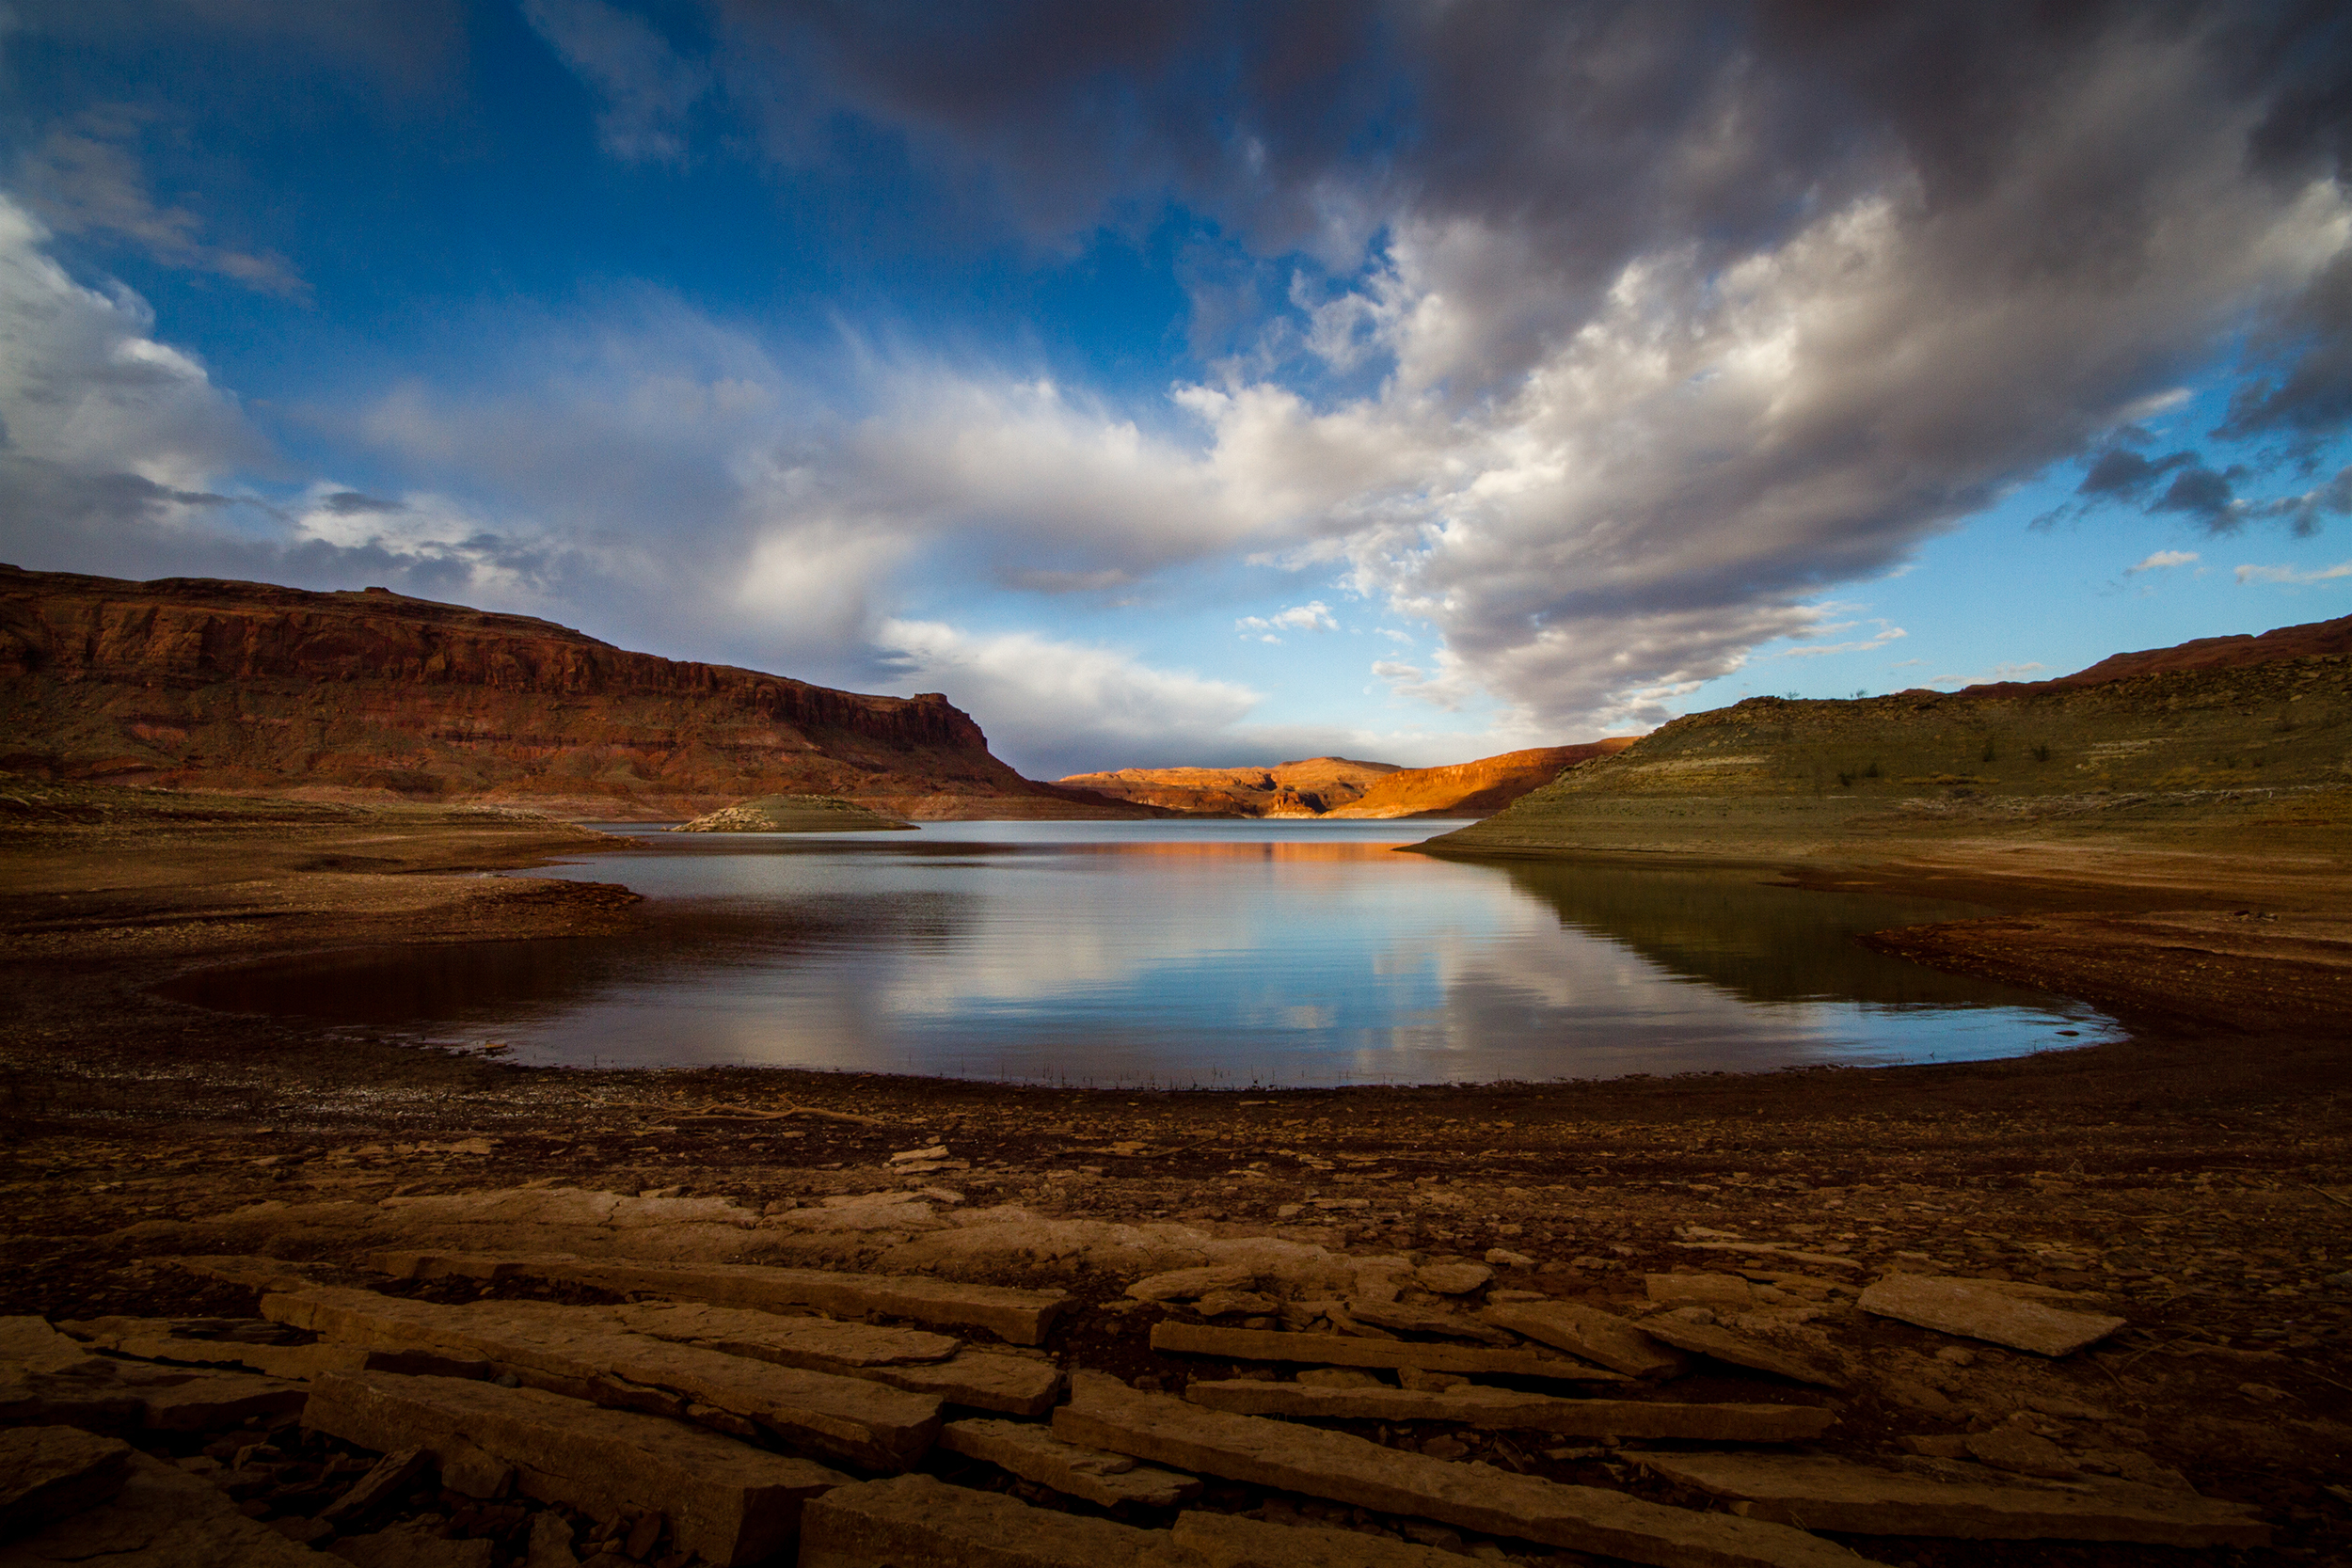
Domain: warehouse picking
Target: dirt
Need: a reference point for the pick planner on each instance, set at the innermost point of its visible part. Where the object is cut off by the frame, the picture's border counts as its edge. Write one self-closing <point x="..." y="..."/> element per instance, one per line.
<point x="2197" y="1174"/>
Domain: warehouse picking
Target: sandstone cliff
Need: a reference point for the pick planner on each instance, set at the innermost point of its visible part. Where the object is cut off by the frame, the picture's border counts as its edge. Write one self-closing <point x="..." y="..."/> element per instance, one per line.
<point x="1314" y="787"/>
<point x="1336" y="787"/>
<point x="1477" y="788"/>
<point x="2199" y="747"/>
<point x="193" y="682"/>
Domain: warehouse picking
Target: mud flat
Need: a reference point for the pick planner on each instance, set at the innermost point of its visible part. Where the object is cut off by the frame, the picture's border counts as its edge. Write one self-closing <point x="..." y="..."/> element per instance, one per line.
<point x="199" y="1177"/>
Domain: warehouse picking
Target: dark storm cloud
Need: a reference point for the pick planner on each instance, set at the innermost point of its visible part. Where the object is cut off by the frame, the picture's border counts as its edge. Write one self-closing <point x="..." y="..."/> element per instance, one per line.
<point x="2203" y="494"/>
<point x="2310" y="395"/>
<point x="351" y="504"/>
<point x="2122" y="472"/>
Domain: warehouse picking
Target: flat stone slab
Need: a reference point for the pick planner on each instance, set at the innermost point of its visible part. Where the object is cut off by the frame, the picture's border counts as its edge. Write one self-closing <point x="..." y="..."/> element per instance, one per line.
<point x="913" y="1359"/>
<point x="163" y="1518"/>
<point x="1013" y="1385"/>
<point x="1507" y="1410"/>
<point x="729" y="1501"/>
<point x="1740" y="1350"/>
<point x="118" y="1396"/>
<point x="1726" y="1291"/>
<point x="578" y="1352"/>
<point x="1227" y="1541"/>
<point x="28" y="1344"/>
<point x="916" y="1521"/>
<point x="1834" y="1494"/>
<point x="48" y="1473"/>
<point x="1591" y="1333"/>
<point x="1979" y="1309"/>
<point x="1104" y="1412"/>
<point x="819" y="1344"/>
<point x="1034" y="1454"/>
<point x="1344" y="1350"/>
<point x="1403" y="1317"/>
<point x="1017" y="1317"/>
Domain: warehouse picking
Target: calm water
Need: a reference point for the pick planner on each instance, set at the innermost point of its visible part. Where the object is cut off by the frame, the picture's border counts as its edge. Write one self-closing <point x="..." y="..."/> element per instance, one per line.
<point x="1216" y="954"/>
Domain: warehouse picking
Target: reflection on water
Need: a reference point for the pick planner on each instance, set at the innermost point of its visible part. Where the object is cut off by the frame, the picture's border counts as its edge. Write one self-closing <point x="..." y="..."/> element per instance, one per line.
<point x="1180" y="954"/>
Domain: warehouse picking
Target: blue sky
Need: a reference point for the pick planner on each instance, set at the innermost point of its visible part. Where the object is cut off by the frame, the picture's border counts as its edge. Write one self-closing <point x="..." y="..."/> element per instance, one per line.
<point x="1205" y="384"/>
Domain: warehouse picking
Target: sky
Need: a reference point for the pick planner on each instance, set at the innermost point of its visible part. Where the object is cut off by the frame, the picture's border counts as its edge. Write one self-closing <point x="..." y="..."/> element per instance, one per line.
<point x="1208" y="383"/>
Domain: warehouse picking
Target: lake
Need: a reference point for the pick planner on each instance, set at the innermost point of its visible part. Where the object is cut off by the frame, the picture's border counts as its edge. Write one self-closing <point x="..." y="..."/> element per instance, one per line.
<point x="1179" y="954"/>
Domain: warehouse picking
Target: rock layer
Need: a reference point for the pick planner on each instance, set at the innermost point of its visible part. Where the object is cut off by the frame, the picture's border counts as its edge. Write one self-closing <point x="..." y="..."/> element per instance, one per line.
<point x="194" y="683"/>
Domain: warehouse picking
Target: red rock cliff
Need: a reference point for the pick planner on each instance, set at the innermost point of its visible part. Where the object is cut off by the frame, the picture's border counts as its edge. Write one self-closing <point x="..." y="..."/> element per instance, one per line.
<point x="203" y="683"/>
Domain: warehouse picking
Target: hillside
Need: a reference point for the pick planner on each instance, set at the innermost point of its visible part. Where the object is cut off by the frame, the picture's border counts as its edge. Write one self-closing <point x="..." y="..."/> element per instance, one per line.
<point x="1314" y="787"/>
<point x="2211" y="747"/>
<point x="1474" y="788"/>
<point x="197" y="684"/>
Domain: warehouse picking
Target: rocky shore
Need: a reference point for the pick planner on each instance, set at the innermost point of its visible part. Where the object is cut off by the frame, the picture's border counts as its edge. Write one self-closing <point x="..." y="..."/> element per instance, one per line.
<point x="280" y="1291"/>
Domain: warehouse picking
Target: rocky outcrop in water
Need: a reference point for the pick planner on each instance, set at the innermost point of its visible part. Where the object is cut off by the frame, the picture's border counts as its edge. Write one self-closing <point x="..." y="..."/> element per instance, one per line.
<point x="194" y="683"/>
<point x="793" y="814"/>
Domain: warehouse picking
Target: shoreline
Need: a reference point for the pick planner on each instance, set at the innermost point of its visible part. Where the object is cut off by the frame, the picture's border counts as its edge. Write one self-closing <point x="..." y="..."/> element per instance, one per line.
<point x="2195" y="1176"/>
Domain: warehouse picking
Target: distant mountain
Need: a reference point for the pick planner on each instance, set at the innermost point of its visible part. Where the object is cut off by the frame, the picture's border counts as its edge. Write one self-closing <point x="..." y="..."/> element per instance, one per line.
<point x="2238" y="742"/>
<point x="1313" y="788"/>
<point x="1336" y="787"/>
<point x="197" y="684"/>
<point x="1477" y="788"/>
<point x="2311" y="639"/>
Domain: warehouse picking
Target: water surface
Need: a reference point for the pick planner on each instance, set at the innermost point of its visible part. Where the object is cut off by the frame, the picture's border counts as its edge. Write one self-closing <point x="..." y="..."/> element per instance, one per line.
<point x="1212" y="954"/>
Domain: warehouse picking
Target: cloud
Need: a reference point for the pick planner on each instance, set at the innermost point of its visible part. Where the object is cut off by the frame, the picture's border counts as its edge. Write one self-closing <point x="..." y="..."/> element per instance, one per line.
<point x="1313" y="616"/>
<point x="1998" y="672"/>
<point x="102" y="428"/>
<point x="1877" y="638"/>
<point x="83" y="178"/>
<point x="1665" y="324"/>
<point x="2289" y="576"/>
<point x="1053" y="707"/>
<point x="646" y="87"/>
<point x="2308" y="348"/>
<point x="2160" y="560"/>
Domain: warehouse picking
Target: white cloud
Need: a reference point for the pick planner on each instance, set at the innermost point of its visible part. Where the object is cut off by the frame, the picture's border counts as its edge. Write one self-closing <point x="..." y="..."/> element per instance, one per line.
<point x="1053" y="707"/>
<point x="1878" y="639"/>
<point x="1313" y="616"/>
<point x="104" y="428"/>
<point x="2159" y="561"/>
<point x="2290" y="576"/>
<point x="1998" y="672"/>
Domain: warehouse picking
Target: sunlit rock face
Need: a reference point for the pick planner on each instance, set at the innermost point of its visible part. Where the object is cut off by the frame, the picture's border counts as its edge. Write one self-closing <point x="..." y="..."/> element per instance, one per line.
<point x="1337" y="786"/>
<point x="192" y="683"/>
